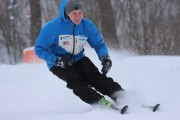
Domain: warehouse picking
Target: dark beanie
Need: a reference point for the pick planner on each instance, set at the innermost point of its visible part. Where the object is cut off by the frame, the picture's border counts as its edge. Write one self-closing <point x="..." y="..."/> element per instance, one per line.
<point x="73" y="5"/>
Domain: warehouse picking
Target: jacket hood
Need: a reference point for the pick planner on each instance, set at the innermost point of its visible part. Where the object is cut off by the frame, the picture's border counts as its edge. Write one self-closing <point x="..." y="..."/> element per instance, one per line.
<point x="62" y="9"/>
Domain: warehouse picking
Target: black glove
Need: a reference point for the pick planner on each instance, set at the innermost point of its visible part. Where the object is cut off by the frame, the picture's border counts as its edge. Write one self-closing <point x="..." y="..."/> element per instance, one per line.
<point x="107" y="63"/>
<point x="64" y="61"/>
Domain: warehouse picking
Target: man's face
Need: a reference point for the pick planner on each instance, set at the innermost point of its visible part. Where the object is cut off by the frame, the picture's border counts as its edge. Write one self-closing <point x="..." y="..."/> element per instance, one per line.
<point x="76" y="16"/>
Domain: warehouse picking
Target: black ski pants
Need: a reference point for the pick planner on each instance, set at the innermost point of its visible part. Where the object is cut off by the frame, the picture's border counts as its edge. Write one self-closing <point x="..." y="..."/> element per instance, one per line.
<point x="84" y="78"/>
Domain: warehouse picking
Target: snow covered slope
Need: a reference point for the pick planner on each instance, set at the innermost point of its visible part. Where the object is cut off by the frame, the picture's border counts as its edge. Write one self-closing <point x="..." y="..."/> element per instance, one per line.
<point x="31" y="92"/>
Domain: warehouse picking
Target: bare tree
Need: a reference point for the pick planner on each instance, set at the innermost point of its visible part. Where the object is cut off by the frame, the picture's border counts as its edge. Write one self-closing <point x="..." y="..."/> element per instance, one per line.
<point x="35" y="9"/>
<point x="151" y="25"/>
<point x="6" y="32"/>
<point x="49" y="10"/>
<point x="108" y="26"/>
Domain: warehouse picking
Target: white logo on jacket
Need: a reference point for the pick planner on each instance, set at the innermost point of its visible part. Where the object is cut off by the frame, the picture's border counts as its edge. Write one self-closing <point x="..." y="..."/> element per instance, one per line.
<point x="67" y="42"/>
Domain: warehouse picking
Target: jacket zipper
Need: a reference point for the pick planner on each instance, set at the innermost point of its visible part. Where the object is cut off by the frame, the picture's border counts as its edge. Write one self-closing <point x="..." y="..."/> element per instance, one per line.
<point x="74" y="40"/>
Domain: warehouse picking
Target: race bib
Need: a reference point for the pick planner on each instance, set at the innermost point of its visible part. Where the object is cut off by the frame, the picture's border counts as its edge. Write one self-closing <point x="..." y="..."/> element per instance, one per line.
<point x="68" y="43"/>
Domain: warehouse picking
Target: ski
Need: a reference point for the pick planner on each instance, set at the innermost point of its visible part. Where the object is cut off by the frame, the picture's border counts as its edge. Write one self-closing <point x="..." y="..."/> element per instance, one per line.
<point x="122" y="110"/>
<point x="153" y="108"/>
<point x="156" y="107"/>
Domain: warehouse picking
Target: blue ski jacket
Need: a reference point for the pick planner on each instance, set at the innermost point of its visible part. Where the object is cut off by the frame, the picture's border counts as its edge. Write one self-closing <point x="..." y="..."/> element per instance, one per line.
<point x="60" y="36"/>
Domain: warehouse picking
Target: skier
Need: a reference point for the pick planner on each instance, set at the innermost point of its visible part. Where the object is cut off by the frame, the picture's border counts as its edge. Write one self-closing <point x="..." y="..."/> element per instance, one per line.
<point x="61" y="44"/>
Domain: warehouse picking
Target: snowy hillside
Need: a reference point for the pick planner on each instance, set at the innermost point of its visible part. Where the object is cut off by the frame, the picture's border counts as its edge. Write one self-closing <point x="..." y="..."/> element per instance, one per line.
<point x="31" y="92"/>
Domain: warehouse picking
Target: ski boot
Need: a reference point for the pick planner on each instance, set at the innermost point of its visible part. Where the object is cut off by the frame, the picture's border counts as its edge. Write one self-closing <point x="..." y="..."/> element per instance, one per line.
<point x="105" y="102"/>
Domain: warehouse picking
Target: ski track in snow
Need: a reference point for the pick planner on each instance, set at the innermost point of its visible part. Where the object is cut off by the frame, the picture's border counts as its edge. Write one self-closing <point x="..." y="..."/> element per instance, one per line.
<point x="31" y="92"/>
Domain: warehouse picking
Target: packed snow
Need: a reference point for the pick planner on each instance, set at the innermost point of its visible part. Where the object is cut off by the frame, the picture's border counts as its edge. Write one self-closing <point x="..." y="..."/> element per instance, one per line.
<point x="31" y="92"/>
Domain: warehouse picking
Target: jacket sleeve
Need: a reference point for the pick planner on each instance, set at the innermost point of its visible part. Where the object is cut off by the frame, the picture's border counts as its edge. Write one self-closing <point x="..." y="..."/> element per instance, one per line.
<point x="43" y="44"/>
<point x="96" y="41"/>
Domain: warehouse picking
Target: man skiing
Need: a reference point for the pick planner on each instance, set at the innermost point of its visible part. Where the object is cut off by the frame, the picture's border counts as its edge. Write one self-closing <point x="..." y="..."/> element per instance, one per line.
<point x="61" y="44"/>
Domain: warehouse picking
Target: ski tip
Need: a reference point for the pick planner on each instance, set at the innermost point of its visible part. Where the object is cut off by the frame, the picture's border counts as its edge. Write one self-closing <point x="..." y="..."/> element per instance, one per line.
<point x="124" y="109"/>
<point x="156" y="107"/>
